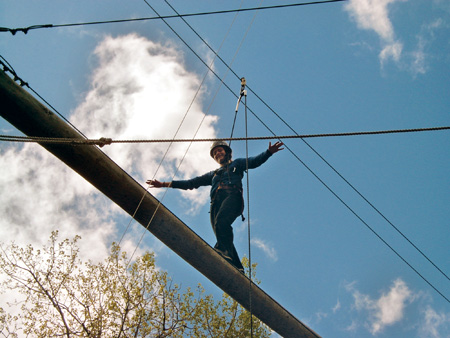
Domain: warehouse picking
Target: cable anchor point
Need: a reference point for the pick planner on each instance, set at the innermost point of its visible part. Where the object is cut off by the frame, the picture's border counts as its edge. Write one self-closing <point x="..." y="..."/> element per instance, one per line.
<point x="242" y="93"/>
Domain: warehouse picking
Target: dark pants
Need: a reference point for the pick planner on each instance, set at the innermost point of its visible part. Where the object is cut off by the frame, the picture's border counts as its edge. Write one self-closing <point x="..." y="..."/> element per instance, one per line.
<point x="225" y="208"/>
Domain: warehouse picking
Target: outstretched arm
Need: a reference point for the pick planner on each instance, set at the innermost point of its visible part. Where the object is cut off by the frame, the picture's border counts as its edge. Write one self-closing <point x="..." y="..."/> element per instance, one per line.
<point x="256" y="161"/>
<point x="158" y="184"/>
<point x="276" y="147"/>
<point x="193" y="183"/>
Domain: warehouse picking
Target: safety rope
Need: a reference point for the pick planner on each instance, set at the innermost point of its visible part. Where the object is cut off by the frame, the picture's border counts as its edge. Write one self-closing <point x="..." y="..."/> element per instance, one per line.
<point x="321" y="157"/>
<point x="222" y="82"/>
<point x="322" y="182"/>
<point x="25" y="30"/>
<point x="244" y="94"/>
<point x="108" y="141"/>
<point x="241" y="94"/>
<point x="182" y="121"/>
<point x="305" y="141"/>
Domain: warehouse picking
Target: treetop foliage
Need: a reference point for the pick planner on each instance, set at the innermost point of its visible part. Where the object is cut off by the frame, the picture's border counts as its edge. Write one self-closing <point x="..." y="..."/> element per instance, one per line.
<point x="63" y="296"/>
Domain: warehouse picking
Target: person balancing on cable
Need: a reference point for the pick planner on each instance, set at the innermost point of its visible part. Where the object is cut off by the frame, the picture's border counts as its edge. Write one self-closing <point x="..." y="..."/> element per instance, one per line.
<point x="227" y="202"/>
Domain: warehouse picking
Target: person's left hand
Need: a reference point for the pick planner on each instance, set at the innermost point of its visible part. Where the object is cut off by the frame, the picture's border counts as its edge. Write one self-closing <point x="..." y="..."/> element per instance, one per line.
<point x="276" y="147"/>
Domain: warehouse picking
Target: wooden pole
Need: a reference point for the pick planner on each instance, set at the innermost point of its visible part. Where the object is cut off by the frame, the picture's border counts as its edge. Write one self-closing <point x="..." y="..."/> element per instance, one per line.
<point x="32" y="118"/>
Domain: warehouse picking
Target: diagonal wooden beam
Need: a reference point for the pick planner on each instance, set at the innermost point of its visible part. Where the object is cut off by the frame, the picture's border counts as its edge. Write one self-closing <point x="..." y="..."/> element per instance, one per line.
<point x="32" y="118"/>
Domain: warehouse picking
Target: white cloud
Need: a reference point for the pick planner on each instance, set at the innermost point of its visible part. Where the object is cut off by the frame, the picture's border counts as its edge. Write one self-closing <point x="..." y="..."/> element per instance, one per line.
<point x="140" y="89"/>
<point x="374" y="15"/>
<point x="352" y="327"/>
<point x="266" y="248"/>
<point x="442" y="4"/>
<point x="41" y="194"/>
<point x="320" y="316"/>
<point x="424" y="39"/>
<point x="435" y="324"/>
<point x="391" y="51"/>
<point x="337" y="307"/>
<point x="386" y="310"/>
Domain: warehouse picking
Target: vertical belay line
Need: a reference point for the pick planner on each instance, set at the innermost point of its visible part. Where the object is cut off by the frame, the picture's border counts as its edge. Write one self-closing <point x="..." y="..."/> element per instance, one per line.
<point x="209" y="68"/>
<point x="244" y="93"/>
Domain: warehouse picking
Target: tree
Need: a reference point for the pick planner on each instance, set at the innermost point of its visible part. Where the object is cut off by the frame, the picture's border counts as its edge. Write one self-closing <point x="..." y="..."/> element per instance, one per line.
<point x="116" y="298"/>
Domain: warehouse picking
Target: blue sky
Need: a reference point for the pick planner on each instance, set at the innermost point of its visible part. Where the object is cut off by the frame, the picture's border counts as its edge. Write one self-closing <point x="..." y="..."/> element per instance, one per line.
<point x="361" y="65"/>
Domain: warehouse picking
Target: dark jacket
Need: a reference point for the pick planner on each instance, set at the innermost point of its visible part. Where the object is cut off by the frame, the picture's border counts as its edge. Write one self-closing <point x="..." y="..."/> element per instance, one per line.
<point x="230" y="174"/>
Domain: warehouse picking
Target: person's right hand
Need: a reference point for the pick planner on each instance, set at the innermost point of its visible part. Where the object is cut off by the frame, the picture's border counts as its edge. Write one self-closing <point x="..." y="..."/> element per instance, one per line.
<point x="155" y="183"/>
